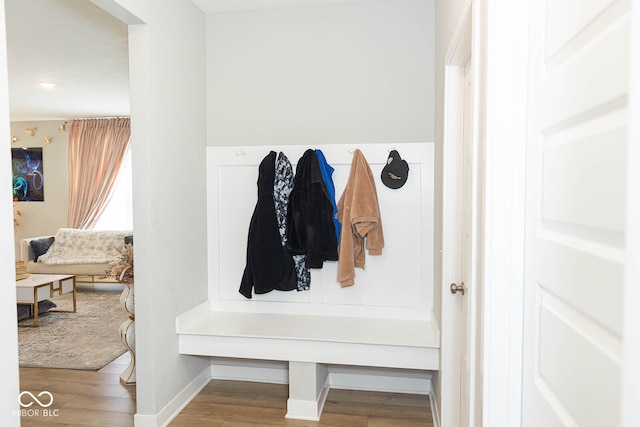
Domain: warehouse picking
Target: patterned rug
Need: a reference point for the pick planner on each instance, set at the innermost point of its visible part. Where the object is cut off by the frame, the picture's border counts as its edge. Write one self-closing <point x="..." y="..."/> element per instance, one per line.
<point x="88" y="339"/>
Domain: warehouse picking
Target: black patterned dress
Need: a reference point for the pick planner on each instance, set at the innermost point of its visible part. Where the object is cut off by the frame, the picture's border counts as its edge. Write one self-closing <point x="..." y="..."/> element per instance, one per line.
<point x="282" y="187"/>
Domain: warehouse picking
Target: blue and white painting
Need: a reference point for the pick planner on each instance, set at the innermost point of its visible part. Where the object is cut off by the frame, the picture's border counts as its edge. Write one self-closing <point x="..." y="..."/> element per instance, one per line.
<point x="28" y="175"/>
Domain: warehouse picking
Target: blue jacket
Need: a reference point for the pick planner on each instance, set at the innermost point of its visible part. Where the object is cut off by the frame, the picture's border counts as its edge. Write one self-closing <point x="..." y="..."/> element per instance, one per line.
<point x="327" y="172"/>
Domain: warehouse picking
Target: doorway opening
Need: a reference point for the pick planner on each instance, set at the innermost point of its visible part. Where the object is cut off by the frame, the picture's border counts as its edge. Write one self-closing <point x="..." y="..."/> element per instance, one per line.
<point x="88" y="75"/>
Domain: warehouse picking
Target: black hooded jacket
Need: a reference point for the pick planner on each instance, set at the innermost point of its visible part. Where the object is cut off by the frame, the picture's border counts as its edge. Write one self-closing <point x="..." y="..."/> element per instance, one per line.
<point x="310" y="228"/>
<point x="269" y="264"/>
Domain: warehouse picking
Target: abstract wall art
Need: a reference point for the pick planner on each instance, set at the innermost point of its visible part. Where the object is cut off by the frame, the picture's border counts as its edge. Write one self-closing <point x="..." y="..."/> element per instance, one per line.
<point x="28" y="175"/>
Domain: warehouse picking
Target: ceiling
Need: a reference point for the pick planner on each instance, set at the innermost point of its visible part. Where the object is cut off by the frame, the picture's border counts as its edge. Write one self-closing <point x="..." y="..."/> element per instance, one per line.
<point x="219" y="6"/>
<point x="71" y="43"/>
<point x="84" y="51"/>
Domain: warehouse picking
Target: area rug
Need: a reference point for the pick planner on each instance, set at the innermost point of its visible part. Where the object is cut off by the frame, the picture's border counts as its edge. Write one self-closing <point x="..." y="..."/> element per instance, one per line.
<point x="88" y="339"/>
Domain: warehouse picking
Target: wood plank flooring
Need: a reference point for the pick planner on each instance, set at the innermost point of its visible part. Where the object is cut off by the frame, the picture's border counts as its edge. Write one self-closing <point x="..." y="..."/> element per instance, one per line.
<point x="96" y="398"/>
<point x="80" y="397"/>
<point x="245" y="404"/>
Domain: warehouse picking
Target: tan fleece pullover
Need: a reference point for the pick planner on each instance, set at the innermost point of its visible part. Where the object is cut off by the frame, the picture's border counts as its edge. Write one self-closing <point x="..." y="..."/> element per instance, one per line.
<point x="359" y="214"/>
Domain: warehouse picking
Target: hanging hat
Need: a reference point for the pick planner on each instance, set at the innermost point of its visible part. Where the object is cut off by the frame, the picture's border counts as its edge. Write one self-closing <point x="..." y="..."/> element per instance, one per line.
<point x="395" y="172"/>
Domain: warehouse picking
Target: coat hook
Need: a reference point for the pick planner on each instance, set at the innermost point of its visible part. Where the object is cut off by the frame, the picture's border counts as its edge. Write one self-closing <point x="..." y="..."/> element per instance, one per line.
<point x="351" y="150"/>
<point x="240" y="153"/>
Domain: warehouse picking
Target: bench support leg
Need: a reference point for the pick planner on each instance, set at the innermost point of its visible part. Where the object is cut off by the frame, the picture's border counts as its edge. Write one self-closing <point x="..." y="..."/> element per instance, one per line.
<point x="308" y="390"/>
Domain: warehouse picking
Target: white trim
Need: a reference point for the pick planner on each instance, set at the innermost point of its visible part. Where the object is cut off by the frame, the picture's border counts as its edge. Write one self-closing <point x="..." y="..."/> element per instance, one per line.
<point x="260" y="371"/>
<point x="308" y="390"/>
<point x="177" y="404"/>
<point x="340" y="377"/>
<point x="503" y="38"/>
<point x="435" y="414"/>
<point x="458" y="54"/>
<point x="631" y="350"/>
<point x="383" y="380"/>
<point x="298" y="409"/>
<point x="459" y="49"/>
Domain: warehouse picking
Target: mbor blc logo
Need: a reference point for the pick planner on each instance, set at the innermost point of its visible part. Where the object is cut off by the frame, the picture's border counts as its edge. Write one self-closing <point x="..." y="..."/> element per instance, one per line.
<point x="36" y="405"/>
<point x="45" y="403"/>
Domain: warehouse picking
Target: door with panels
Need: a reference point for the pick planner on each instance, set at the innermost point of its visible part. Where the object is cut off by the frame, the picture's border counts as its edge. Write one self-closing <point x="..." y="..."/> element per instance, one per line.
<point x="575" y="237"/>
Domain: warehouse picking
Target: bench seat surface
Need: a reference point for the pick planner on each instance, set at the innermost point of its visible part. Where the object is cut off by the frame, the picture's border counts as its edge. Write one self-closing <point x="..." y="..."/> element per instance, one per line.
<point x="361" y="341"/>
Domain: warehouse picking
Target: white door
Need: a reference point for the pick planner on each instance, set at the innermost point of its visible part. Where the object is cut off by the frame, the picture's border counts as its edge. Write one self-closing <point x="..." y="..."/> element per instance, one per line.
<point x="466" y="230"/>
<point x="457" y="353"/>
<point x="575" y="237"/>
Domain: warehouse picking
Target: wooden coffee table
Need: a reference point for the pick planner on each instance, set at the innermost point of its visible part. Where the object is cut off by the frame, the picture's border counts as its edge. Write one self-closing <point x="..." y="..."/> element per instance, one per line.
<point x="39" y="287"/>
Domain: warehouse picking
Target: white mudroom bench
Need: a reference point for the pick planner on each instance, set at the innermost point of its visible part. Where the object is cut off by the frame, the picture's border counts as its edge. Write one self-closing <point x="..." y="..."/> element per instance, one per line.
<point x="310" y="344"/>
<point x="383" y="328"/>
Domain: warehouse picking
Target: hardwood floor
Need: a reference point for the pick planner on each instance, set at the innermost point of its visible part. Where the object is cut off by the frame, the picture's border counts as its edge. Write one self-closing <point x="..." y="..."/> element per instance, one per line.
<point x="80" y="398"/>
<point x="96" y="398"/>
<point x="245" y="404"/>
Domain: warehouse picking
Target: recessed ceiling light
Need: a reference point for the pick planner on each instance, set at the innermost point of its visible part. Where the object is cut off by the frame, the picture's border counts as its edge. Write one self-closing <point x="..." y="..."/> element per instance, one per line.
<point x="47" y="85"/>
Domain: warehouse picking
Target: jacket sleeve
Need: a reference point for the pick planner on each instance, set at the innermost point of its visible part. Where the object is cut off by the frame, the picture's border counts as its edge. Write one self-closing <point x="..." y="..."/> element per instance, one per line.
<point x="321" y="232"/>
<point x="246" y="285"/>
<point x="346" y="271"/>
<point x="296" y="213"/>
<point x="365" y="211"/>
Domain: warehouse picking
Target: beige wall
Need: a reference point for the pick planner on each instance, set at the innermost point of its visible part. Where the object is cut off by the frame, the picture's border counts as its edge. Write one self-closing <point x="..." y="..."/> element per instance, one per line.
<point x="349" y="73"/>
<point x="43" y="218"/>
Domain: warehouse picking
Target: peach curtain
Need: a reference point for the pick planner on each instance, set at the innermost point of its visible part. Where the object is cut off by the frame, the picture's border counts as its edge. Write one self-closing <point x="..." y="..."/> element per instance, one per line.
<point x="96" y="150"/>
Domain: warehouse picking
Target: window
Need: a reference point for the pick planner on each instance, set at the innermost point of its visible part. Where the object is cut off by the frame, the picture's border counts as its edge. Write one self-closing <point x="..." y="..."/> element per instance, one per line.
<point x="118" y="215"/>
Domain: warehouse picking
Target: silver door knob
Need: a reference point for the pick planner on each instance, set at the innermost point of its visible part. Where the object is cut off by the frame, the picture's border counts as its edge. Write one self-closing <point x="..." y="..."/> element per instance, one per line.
<point x="457" y="288"/>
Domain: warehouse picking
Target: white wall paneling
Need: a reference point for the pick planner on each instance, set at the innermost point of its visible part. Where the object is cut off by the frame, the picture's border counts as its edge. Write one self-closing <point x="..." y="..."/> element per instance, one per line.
<point x="398" y="284"/>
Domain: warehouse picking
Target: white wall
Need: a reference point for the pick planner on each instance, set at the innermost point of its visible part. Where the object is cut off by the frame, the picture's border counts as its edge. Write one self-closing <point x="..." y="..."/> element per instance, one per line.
<point x="8" y="318"/>
<point x="167" y="77"/>
<point x="43" y="218"/>
<point x="350" y="73"/>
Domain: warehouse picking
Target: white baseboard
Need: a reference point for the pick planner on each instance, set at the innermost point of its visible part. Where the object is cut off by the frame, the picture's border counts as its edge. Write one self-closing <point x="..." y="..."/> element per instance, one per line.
<point x="380" y="379"/>
<point x="308" y="391"/>
<point x="177" y="404"/>
<point x="261" y="371"/>
<point x="340" y="377"/>
<point x="145" y="420"/>
<point x="434" y="410"/>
